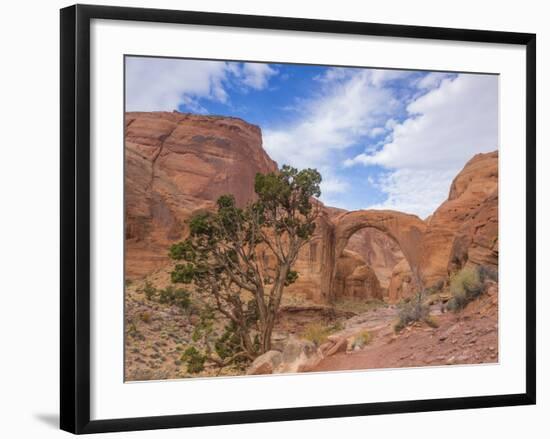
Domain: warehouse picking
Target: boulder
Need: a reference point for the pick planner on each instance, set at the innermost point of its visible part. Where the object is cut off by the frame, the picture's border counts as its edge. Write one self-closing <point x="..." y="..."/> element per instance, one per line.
<point x="299" y="356"/>
<point x="265" y="363"/>
<point x="340" y="346"/>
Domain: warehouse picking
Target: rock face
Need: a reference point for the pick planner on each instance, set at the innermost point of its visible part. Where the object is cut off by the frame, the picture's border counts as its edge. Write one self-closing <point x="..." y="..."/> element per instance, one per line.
<point x="354" y="278"/>
<point x="380" y="252"/>
<point x="474" y="187"/>
<point x="462" y="231"/>
<point x="377" y="249"/>
<point x="476" y="242"/>
<point x="407" y="231"/>
<point x="310" y="262"/>
<point x="402" y="284"/>
<point x="178" y="164"/>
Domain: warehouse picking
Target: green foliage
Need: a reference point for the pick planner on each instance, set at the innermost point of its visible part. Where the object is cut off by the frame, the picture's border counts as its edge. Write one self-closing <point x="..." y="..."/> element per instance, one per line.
<point x="175" y="296"/>
<point x="149" y="290"/>
<point x="205" y="326"/>
<point x="414" y="310"/>
<point x="193" y="359"/>
<point x="291" y="277"/>
<point x="467" y="284"/>
<point x="229" y="344"/>
<point x="221" y="256"/>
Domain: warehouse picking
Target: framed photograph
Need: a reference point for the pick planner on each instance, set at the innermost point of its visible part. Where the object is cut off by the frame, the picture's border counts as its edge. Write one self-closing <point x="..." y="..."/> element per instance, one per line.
<point x="268" y="218"/>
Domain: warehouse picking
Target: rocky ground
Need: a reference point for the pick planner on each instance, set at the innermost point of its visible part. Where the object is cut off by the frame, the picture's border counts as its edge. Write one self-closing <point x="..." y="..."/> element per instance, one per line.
<point x="157" y="335"/>
<point x="467" y="337"/>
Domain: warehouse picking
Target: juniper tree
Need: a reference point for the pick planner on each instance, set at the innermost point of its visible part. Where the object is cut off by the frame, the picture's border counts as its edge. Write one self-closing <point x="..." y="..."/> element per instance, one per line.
<point x="224" y="257"/>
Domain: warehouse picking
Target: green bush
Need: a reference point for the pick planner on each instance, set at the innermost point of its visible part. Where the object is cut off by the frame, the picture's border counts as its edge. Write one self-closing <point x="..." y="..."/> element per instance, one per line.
<point x="175" y="296"/>
<point x="466" y="285"/>
<point x="414" y="310"/>
<point x="193" y="359"/>
<point x="149" y="290"/>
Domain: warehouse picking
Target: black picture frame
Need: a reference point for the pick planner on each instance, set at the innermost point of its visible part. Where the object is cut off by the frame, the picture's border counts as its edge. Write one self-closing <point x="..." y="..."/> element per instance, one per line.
<point x="75" y="217"/>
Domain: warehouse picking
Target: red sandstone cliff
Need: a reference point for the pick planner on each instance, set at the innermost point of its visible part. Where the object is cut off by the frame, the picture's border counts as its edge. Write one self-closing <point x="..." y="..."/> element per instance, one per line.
<point x="177" y="164"/>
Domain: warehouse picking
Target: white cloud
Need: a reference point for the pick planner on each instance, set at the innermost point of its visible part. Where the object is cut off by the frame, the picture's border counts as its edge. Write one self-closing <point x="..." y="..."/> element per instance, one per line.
<point x="376" y="131"/>
<point x="445" y="128"/>
<point x="256" y="75"/>
<point x="333" y="185"/>
<point x="162" y="84"/>
<point x="347" y="109"/>
<point x="380" y="77"/>
<point x="431" y="80"/>
<point x="413" y="191"/>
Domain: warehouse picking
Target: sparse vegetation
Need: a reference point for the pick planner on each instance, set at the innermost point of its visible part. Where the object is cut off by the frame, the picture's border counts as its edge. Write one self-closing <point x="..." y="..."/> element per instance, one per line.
<point x="149" y="290"/>
<point x="487" y="273"/>
<point x="193" y="359"/>
<point x="361" y="340"/>
<point x="145" y="316"/>
<point x="414" y="310"/>
<point x="175" y="296"/>
<point x="431" y="321"/>
<point x="435" y="288"/>
<point x="467" y="284"/>
<point x="318" y="333"/>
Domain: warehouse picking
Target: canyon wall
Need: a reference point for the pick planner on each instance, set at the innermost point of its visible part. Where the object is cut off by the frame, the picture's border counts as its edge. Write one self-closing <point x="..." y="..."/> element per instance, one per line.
<point x="175" y="165"/>
<point x="179" y="164"/>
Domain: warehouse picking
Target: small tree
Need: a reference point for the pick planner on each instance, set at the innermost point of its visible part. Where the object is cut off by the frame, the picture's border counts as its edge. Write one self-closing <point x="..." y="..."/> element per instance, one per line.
<point x="224" y="258"/>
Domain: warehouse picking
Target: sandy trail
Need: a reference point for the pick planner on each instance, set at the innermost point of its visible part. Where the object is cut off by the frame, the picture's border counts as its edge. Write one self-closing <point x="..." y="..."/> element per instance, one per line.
<point x="468" y="337"/>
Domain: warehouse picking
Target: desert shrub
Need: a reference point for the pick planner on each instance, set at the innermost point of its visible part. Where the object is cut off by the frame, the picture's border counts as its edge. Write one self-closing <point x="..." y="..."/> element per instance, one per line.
<point x="414" y="310"/>
<point x="318" y="333"/>
<point x="361" y="340"/>
<point x="466" y="285"/>
<point x="435" y="288"/>
<point x="431" y="321"/>
<point x="175" y="296"/>
<point x="193" y="359"/>
<point x="487" y="272"/>
<point x="145" y="316"/>
<point x="149" y="290"/>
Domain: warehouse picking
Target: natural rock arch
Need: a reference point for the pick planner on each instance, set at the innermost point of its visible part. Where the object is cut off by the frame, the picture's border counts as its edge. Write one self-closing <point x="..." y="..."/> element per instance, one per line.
<point x="407" y="230"/>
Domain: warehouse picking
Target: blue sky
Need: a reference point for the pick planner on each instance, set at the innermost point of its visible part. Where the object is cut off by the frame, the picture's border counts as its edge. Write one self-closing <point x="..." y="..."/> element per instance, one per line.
<point x="382" y="139"/>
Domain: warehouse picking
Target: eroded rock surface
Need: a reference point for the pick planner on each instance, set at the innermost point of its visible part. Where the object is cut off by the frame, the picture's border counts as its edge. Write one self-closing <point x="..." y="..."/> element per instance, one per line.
<point x="178" y="164"/>
<point x="469" y="191"/>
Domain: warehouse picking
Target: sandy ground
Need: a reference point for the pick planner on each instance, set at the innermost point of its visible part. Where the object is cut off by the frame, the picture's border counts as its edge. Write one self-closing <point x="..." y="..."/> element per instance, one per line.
<point x="467" y="337"/>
